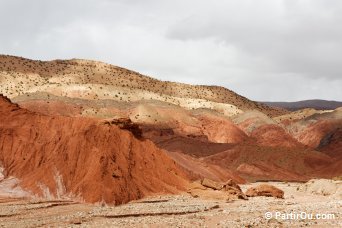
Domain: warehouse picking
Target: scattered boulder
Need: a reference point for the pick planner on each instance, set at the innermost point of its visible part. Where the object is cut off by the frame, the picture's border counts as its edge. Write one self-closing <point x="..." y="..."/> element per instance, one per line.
<point x="230" y="183"/>
<point x="265" y="190"/>
<point x="197" y="185"/>
<point x="211" y="184"/>
<point x="209" y="189"/>
<point x="235" y="193"/>
<point x="234" y="190"/>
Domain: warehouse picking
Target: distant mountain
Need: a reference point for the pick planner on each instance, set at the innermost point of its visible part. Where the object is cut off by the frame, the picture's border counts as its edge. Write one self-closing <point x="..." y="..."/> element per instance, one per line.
<point x="316" y="104"/>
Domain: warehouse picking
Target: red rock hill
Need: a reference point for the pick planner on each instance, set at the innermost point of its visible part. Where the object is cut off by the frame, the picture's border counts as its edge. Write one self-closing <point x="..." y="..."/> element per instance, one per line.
<point x="63" y="156"/>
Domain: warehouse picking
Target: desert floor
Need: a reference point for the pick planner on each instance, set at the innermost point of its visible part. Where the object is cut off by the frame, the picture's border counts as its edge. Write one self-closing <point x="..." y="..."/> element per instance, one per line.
<point x="176" y="211"/>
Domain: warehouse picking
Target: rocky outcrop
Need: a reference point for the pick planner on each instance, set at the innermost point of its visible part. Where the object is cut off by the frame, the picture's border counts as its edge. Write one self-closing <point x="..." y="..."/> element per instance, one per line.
<point x="126" y="124"/>
<point x="211" y="184"/>
<point x="209" y="189"/>
<point x="265" y="190"/>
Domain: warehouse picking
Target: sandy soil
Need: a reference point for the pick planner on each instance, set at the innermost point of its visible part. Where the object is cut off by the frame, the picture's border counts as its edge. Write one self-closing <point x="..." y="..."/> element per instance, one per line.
<point x="175" y="211"/>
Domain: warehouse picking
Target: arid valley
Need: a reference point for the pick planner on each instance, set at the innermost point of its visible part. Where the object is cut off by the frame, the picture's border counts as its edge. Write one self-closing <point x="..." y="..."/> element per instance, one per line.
<point x="85" y="143"/>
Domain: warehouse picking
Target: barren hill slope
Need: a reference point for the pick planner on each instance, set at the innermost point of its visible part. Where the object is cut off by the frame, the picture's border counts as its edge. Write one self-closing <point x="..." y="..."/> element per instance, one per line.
<point x="58" y="157"/>
<point x="96" y="80"/>
<point x="209" y="131"/>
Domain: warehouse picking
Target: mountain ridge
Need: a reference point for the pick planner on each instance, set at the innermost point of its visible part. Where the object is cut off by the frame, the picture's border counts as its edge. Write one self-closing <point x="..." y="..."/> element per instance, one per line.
<point x="97" y="80"/>
<point x="312" y="103"/>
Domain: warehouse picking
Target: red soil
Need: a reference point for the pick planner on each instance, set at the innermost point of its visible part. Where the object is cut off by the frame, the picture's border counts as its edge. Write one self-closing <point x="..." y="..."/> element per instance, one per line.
<point x="314" y="133"/>
<point x="255" y="162"/>
<point x="192" y="146"/>
<point x="254" y="148"/>
<point x="333" y="170"/>
<point x="331" y="144"/>
<point x="199" y="169"/>
<point x="273" y="135"/>
<point x="221" y="130"/>
<point x="83" y="157"/>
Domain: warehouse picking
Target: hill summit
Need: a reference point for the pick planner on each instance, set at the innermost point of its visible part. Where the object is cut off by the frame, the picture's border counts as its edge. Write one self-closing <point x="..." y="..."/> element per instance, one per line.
<point x="95" y="80"/>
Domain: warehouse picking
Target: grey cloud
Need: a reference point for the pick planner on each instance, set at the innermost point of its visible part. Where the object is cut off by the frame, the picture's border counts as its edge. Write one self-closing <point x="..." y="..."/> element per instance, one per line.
<point x="294" y="36"/>
<point x="265" y="49"/>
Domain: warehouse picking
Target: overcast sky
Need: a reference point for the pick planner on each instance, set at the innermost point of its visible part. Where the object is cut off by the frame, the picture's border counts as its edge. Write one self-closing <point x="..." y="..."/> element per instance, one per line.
<point x="274" y="50"/>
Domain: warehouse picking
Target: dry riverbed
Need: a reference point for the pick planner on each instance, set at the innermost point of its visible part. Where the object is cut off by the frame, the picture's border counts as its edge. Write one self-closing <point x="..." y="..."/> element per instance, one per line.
<point x="178" y="211"/>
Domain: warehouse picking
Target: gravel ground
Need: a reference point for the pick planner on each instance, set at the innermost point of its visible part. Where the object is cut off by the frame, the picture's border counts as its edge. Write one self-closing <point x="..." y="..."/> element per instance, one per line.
<point x="176" y="211"/>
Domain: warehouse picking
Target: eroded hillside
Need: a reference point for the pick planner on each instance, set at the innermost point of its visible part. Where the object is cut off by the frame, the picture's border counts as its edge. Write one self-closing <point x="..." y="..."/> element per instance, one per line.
<point x="59" y="157"/>
<point x="209" y="131"/>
